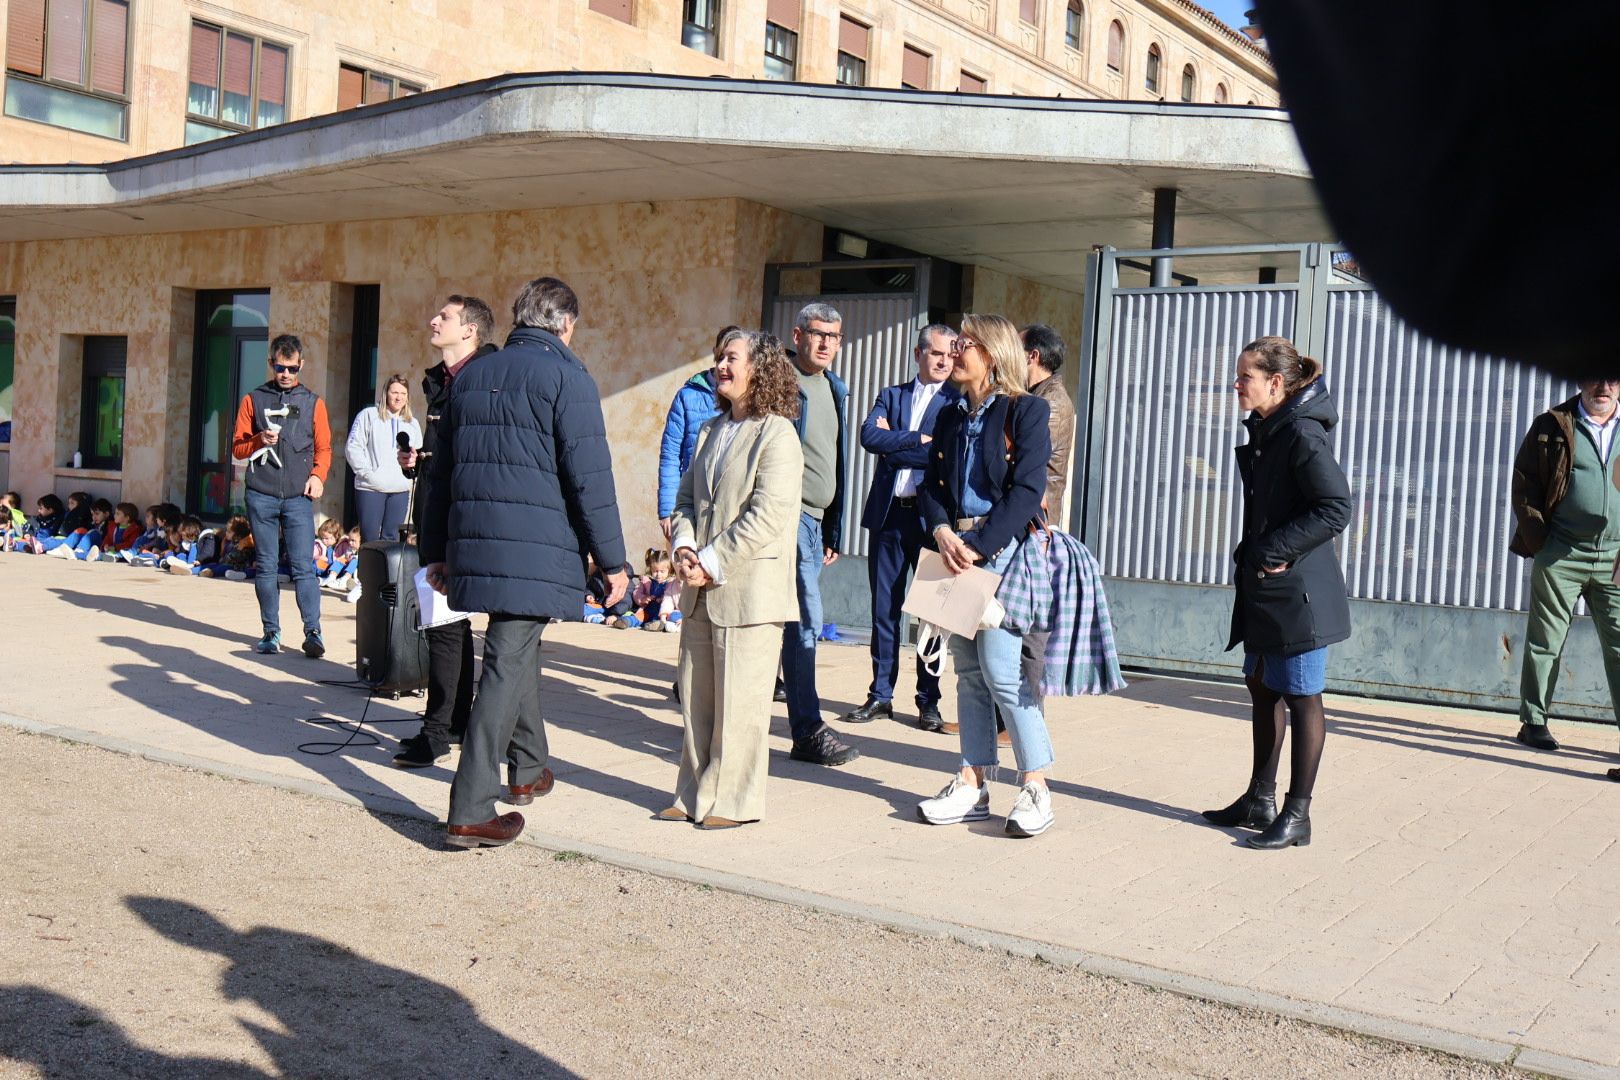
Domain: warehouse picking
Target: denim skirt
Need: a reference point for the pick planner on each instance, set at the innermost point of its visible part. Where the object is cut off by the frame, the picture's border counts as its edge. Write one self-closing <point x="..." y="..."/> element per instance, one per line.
<point x="1300" y="675"/>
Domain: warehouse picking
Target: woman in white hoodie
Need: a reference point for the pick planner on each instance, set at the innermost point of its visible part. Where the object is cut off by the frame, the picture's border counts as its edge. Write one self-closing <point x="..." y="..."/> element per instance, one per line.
<point x="381" y="492"/>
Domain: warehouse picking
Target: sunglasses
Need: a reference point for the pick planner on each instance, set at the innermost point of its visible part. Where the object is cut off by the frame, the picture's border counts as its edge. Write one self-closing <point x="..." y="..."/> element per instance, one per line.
<point x="286" y="369"/>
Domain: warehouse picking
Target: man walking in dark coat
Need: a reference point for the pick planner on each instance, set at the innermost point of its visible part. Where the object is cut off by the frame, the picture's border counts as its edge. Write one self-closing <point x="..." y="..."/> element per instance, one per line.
<point x="522" y="491"/>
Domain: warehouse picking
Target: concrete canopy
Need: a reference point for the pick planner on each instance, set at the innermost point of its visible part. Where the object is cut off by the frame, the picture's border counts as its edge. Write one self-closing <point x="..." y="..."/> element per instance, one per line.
<point x="1022" y="185"/>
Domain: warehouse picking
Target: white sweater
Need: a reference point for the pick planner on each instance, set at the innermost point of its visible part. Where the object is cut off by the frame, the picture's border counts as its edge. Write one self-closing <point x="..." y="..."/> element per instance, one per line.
<point x="372" y="451"/>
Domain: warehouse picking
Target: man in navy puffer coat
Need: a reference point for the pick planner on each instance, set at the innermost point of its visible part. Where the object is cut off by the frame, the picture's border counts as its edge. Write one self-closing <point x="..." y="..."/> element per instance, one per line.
<point x="522" y="491"/>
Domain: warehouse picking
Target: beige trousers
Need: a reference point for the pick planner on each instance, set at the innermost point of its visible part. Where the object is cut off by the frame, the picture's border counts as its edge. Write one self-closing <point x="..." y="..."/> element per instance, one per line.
<point x="727" y="674"/>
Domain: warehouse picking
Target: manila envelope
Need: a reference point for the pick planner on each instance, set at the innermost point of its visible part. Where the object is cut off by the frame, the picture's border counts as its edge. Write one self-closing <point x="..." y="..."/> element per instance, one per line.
<point x="952" y="602"/>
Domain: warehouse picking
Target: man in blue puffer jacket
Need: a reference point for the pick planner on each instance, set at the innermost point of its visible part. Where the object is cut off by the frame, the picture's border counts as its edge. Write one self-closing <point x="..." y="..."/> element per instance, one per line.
<point x="694" y="406"/>
<point x="522" y="492"/>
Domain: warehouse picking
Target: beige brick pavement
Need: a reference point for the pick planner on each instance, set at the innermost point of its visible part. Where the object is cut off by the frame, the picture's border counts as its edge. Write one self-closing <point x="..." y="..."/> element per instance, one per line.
<point x="1457" y="881"/>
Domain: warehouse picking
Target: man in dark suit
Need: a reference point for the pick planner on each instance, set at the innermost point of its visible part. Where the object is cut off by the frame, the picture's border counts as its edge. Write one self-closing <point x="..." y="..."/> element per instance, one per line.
<point x="522" y="491"/>
<point x="898" y="430"/>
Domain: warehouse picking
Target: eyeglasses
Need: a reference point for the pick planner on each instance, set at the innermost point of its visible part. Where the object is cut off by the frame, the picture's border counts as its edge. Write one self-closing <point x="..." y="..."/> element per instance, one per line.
<point x="286" y="369"/>
<point x="830" y="336"/>
<point x="963" y="343"/>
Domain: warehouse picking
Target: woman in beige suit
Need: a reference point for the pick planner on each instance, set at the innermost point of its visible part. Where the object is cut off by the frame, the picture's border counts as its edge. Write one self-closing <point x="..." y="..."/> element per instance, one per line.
<point x="734" y="540"/>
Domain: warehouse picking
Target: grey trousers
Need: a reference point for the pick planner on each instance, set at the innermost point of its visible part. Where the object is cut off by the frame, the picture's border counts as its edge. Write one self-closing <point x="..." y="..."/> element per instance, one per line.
<point x="505" y="724"/>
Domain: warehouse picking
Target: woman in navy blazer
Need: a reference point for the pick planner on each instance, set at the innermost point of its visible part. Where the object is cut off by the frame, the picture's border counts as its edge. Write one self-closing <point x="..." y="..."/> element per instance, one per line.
<point x="983" y="487"/>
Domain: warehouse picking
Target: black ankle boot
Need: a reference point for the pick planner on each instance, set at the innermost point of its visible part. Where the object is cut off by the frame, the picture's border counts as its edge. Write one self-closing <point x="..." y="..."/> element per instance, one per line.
<point x="1255" y="808"/>
<point x="1293" y="826"/>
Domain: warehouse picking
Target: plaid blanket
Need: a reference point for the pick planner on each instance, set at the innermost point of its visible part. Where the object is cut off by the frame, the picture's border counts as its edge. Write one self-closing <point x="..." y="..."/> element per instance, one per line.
<point x="1054" y="586"/>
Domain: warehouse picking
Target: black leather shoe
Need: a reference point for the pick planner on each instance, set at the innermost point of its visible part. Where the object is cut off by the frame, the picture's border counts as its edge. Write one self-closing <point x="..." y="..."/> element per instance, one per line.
<point x="1292" y="827"/>
<point x="1536" y="737"/>
<point x="869" y="712"/>
<point x="780" y="694"/>
<point x="1255" y="808"/>
<point x="929" y="719"/>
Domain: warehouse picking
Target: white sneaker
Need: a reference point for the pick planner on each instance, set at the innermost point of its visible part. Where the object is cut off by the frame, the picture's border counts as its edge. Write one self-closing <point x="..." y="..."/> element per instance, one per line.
<point x="93" y="555"/>
<point x="353" y="596"/>
<point x="956" y="803"/>
<point x="235" y="575"/>
<point x="62" y="551"/>
<point x="1032" y="812"/>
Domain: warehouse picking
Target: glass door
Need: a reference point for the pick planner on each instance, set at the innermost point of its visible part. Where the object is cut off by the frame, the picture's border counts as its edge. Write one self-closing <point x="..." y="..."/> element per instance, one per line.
<point x="232" y="346"/>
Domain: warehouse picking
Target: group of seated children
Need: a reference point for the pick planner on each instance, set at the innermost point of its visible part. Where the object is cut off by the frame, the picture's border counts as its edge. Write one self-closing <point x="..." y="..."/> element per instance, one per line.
<point x="652" y="602"/>
<point x="171" y="540"/>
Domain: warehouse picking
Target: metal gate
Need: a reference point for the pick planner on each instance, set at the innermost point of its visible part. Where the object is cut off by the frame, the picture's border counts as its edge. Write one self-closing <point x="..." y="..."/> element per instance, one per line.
<point x="880" y="330"/>
<point x="1426" y="437"/>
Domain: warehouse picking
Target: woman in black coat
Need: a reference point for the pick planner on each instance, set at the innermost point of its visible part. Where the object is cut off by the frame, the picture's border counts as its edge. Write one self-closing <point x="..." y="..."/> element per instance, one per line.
<point x="1291" y="603"/>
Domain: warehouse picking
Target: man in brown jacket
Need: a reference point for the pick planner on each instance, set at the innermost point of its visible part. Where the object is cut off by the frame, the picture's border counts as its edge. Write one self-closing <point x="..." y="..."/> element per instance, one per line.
<point x="1043" y="348"/>
<point x="1566" y="504"/>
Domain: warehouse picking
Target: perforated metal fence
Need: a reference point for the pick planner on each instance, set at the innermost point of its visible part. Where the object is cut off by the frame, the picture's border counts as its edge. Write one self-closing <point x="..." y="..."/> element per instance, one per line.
<point x="879" y="333"/>
<point x="1426" y="437"/>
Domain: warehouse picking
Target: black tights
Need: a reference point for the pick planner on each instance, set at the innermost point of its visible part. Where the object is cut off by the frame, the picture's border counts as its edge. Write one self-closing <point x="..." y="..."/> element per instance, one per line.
<point x="1310" y="731"/>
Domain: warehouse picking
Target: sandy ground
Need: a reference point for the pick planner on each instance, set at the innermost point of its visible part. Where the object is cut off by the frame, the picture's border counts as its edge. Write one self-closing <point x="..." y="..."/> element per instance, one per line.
<point x="156" y="921"/>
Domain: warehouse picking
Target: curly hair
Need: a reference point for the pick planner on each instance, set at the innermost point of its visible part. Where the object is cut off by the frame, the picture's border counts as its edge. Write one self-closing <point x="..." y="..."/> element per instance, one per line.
<point x="773" y="388"/>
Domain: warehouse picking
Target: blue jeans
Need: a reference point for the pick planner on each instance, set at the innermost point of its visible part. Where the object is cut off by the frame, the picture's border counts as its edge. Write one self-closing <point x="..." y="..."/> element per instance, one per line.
<point x="272" y="519"/>
<point x="990" y="674"/>
<point x="381" y="513"/>
<point x="799" y="639"/>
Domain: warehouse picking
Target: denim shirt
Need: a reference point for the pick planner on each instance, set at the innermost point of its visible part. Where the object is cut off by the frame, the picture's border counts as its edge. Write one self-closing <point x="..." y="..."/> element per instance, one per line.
<point x="977" y="494"/>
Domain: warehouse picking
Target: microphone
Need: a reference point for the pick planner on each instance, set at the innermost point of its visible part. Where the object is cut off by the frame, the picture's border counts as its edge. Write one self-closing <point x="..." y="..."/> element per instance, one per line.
<point x="403" y="441"/>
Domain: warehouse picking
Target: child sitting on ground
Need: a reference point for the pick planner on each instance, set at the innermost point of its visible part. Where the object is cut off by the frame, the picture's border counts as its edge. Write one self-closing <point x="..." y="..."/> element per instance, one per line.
<point x="188" y="536"/>
<point x="234" y="553"/>
<point x="327" y="535"/>
<point x="49" y="516"/>
<point x="13" y="522"/>
<point x="596" y="591"/>
<point x="341" y="575"/>
<point x="153" y="544"/>
<point x="657" y="596"/>
<point x="81" y="542"/>
<point x="123" y="531"/>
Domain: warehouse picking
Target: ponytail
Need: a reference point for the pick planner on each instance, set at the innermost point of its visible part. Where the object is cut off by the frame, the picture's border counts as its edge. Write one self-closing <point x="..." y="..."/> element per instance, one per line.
<point x="1277" y="356"/>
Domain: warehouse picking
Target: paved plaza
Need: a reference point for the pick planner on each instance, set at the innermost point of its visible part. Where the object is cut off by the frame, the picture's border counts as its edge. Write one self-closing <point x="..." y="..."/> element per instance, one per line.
<point x="1460" y="892"/>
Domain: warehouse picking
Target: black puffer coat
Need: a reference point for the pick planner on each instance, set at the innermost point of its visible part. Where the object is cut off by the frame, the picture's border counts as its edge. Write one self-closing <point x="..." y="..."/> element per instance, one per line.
<point x="522" y="483"/>
<point x="1295" y="501"/>
<point x="436" y="384"/>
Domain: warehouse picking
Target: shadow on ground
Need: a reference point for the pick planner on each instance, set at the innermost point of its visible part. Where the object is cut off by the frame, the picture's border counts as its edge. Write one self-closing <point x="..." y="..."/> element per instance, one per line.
<point x="339" y="1014"/>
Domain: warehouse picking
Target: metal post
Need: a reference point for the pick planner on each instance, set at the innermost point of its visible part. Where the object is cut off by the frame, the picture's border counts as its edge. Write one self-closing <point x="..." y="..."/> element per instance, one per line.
<point x="1164" y="233"/>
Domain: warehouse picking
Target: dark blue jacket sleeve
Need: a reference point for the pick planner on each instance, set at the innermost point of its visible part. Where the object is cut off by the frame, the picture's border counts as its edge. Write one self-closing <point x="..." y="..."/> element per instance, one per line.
<point x="433" y="526"/>
<point x="903" y="448"/>
<point x="936" y="501"/>
<point x="1323" y="486"/>
<point x="669" y="456"/>
<point x="585" y="465"/>
<point x="1025" y="484"/>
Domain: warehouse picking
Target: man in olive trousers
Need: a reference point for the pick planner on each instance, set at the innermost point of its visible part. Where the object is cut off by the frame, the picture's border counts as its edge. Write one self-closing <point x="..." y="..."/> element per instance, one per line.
<point x="1566" y="499"/>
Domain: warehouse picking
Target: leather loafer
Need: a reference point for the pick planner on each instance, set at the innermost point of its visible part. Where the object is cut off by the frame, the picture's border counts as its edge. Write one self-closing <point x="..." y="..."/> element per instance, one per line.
<point x="498" y="830"/>
<point x="674" y="813"/>
<point x="929" y="719"/>
<point x="950" y="727"/>
<point x="780" y="693"/>
<point x="1536" y="737"/>
<point x="869" y="712"/>
<point x="524" y="794"/>
<point x="715" y="821"/>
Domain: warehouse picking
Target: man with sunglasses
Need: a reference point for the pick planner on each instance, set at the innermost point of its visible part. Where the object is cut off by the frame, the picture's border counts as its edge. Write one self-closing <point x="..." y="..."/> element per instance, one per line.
<point x="283" y="434"/>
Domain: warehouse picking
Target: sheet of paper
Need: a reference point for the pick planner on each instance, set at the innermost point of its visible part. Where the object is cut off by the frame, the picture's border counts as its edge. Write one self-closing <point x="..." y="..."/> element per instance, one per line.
<point x="434" y="607"/>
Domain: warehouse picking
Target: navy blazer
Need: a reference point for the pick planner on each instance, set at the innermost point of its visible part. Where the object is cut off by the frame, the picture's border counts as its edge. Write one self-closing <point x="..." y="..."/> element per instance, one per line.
<point x="1018" y="477"/>
<point x="897" y="448"/>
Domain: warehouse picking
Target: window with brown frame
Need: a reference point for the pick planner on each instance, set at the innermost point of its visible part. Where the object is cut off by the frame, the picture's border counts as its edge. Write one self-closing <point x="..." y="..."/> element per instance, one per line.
<point x="360" y="86"/>
<point x="1150" y="75"/>
<point x="1030" y="11"/>
<point x="1220" y="94"/>
<point x="1074" y="25"/>
<point x="67" y="64"/>
<point x="782" y="39"/>
<point x="854" y="39"/>
<point x="238" y="82"/>
<point x="973" y="84"/>
<point x="1189" y="83"/>
<point x="916" y="69"/>
<point x="1116" y="47"/>
<point x="613" y="9"/>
